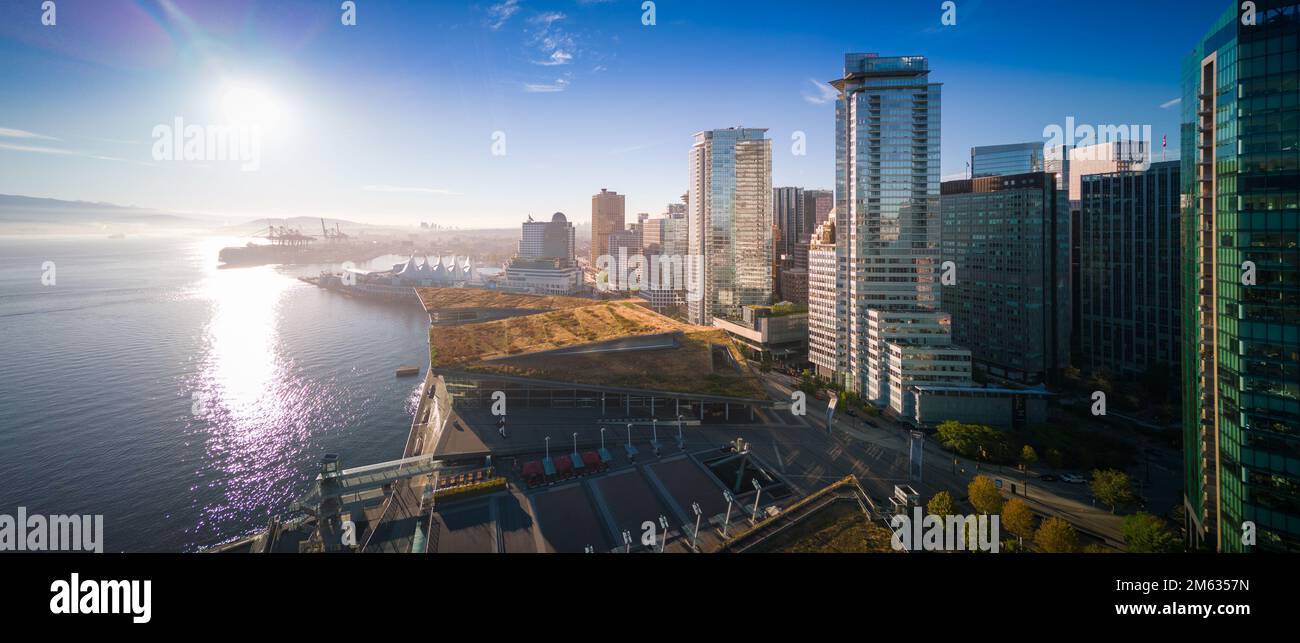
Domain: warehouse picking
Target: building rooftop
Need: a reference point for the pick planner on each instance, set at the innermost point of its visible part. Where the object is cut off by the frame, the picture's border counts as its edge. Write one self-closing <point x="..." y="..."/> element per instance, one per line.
<point x="612" y="344"/>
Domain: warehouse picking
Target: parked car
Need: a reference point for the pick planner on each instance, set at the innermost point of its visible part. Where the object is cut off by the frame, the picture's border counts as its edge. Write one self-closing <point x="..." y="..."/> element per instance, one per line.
<point x="1072" y="478"/>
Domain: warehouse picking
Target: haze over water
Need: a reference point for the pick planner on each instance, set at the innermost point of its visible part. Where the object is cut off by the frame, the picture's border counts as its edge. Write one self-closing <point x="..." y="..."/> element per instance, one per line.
<point x="187" y="404"/>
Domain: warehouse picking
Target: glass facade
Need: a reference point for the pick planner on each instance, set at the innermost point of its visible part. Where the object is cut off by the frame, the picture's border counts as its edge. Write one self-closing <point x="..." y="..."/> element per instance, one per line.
<point x="1241" y="336"/>
<point x="1004" y="160"/>
<point x="887" y="121"/>
<point x="1129" y="254"/>
<point x="1009" y="240"/>
<point x="730" y="220"/>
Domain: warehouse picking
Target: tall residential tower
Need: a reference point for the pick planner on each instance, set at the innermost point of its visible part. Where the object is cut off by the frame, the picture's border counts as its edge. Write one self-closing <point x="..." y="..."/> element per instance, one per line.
<point x="1241" y="281"/>
<point x="887" y="224"/>
<point x="730" y="221"/>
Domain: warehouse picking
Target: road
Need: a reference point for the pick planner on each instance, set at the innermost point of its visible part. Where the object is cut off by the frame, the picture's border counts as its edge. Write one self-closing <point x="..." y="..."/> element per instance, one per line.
<point x="883" y="451"/>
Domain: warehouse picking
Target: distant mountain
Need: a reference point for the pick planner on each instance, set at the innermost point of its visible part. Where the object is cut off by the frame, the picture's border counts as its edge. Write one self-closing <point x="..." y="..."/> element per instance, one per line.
<point x="34" y="214"/>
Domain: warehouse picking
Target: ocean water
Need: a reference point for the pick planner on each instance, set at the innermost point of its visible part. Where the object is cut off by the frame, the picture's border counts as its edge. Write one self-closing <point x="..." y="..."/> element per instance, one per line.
<point x="184" y="403"/>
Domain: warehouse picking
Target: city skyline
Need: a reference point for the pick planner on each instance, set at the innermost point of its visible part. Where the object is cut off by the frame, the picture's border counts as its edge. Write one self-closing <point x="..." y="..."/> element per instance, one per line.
<point x="562" y="81"/>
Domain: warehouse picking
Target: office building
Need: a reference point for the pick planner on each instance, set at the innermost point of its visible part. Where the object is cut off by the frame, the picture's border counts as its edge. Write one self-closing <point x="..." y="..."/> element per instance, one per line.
<point x="1129" y="279"/>
<point x="608" y="210"/>
<point x="1003" y="160"/>
<point x="553" y="239"/>
<point x="1241" y="329"/>
<point x="1008" y="239"/>
<point x="824" y="300"/>
<point x="545" y="262"/>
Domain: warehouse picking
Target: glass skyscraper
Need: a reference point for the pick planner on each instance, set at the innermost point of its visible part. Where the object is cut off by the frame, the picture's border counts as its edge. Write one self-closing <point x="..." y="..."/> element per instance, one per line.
<point x="1003" y="160"/>
<point x="1129" y="287"/>
<point x="1009" y="240"/>
<point x="730" y="221"/>
<point x="887" y="119"/>
<point x="1241" y="331"/>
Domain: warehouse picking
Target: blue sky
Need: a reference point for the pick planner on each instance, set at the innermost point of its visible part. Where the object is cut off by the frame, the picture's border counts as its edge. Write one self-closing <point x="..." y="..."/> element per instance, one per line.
<point x="392" y="120"/>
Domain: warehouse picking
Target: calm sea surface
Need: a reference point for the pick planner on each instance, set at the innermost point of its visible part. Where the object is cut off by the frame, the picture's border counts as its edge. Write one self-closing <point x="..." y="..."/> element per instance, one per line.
<point x="185" y="403"/>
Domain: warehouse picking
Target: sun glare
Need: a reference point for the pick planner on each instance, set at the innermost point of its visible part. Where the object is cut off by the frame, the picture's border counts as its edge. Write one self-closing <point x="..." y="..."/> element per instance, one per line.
<point x="248" y="105"/>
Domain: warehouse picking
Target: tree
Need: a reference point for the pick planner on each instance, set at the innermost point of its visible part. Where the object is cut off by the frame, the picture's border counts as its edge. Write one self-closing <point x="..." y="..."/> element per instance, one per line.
<point x="1148" y="534"/>
<point x="1073" y="377"/>
<point x="1028" y="456"/>
<point x="984" y="495"/>
<point x="1018" y="519"/>
<point x="1055" y="536"/>
<point x="973" y="440"/>
<point x="940" y="504"/>
<point x="1100" y="381"/>
<point x="1111" y="487"/>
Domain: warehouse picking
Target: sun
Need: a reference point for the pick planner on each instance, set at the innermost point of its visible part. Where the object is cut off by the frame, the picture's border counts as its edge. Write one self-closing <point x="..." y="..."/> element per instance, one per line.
<point x="250" y="105"/>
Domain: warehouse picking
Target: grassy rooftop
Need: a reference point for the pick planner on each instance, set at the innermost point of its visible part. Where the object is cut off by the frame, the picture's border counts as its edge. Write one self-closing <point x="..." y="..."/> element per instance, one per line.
<point x="705" y="361"/>
<point x="445" y="298"/>
<point x="840" y="528"/>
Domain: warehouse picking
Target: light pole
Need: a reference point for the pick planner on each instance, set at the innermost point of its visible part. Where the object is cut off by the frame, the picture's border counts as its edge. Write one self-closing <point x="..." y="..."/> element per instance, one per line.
<point x="681" y="444"/>
<point x="753" y="518"/>
<point x="629" y="434"/>
<point x="602" y="438"/>
<point x="575" y="442"/>
<point x="627" y="542"/>
<point x="695" y="539"/>
<point x="548" y="447"/>
<point x="663" y="540"/>
<point x="726" y="522"/>
<point x="654" y="432"/>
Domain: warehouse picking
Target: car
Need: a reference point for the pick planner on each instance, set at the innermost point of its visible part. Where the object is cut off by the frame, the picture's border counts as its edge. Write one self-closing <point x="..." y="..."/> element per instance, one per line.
<point x="1072" y="478"/>
<point x="1047" y="477"/>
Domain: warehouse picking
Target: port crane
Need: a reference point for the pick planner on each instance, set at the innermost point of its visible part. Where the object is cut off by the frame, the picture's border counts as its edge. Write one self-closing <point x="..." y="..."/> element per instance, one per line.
<point x="332" y="235"/>
<point x="283" y="236"/>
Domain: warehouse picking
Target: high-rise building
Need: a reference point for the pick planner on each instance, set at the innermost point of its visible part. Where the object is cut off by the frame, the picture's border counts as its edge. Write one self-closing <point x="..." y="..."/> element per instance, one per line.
<point x="1069" y="163"/>
<point x="1008" y="239"/>
<point x="627" y="240"/>
<point x="1129" y="279"/>
<point x="1241" y="281"/>
<point x="817" y="207"/>
<point x="608" y="216"/>
<point x="887" y="220"/>
<point x="824" y="339"/>
<point x="730" y="221"/>
<point x="788" y="211"/>
<point x="1003" y="160"/>
<point x="554" y="239"/>
<point x="545" y="262"/>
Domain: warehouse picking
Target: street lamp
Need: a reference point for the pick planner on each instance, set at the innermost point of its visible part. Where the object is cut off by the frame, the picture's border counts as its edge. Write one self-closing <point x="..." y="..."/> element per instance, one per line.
<point x="575" y="442"/>
<point x="681" y="444"/>
<point x="726" y="522"/>
<point x="695" y="539"/>
<point x="629" y="434"/>
<point x="627" y="542"/>
<point x="602" y="438"/>
<point x="753" y="518"/>
<point x="548" y="447"/>
<point x="663" y="540"/>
